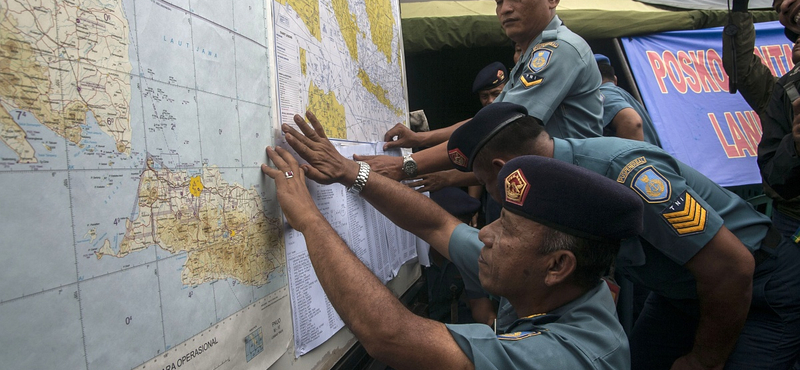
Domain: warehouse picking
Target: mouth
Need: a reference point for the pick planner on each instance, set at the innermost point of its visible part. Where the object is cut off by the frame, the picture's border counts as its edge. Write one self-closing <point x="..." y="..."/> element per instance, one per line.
<point x="481" y="260"/>
<point x="508" y="21"/>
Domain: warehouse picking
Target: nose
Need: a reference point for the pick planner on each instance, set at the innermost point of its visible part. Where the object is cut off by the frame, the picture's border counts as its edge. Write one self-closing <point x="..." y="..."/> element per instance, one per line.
<point x="486" y="235"/>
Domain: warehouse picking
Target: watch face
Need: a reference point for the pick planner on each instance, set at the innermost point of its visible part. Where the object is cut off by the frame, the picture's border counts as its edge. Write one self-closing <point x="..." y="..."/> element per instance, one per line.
<point x="410" y="167"/>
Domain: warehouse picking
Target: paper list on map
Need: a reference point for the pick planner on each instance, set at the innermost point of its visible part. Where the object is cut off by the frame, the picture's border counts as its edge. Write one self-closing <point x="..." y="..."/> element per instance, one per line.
<point x="289" y="80"/>
<point x="377" y="242"/>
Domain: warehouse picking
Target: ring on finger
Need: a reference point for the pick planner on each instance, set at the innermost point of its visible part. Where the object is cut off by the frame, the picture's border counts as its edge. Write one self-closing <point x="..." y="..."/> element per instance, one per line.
<point x="288" y="174"/>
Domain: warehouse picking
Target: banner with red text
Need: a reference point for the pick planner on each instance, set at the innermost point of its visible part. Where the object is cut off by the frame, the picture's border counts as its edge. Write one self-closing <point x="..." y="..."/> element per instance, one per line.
<point x="685" y="89"/>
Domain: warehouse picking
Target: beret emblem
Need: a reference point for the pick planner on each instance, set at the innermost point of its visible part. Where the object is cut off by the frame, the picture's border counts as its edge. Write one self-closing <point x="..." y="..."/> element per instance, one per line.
<point x="516" y="188"/>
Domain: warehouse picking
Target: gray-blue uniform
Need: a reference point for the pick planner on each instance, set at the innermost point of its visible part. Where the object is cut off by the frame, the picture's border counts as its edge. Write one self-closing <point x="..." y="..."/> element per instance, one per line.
<point x="583" y="334"/>
<point x="557" y="81"/>
<point x="683" y="211"/>
<point x="616" y="99"/>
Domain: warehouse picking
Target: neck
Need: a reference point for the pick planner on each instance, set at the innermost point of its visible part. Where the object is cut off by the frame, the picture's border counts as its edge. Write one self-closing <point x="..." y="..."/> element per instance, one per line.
<point x="529" y="304"/>
<point x="524" y="44"/>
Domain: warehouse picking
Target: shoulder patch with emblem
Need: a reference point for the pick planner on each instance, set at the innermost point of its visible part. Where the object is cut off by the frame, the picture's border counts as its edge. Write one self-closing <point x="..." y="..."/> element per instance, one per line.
<point x="529" y="79"/>
<point x="539" y="60"/>
<point x="518" y="335"/>
<point x="686" y="215"/>
<point x="652" y="186"/>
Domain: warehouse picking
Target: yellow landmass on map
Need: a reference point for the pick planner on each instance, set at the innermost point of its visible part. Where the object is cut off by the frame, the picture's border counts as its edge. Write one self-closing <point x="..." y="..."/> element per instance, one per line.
<point x="303" y="66"/>
<point x="381" y="21"/>
<point x="378" y="91"/>
<point x="224" y="230"/>
<point x="348" y="25"/>
<point x="308" y="10"/>
<point x="329" y="111"/>
<point x="59" y="60"/>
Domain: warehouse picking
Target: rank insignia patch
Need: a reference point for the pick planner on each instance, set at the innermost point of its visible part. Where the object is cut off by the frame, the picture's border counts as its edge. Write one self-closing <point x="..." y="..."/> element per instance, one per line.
<point x="686" y="215"/>
<point x="529" y="79"/>
<point x="651" y="185"/>
<point x="518" y="335"/>
<point x="516" y="188"/>
<point x="539" y="59"/>
<point x="458" y="158"/>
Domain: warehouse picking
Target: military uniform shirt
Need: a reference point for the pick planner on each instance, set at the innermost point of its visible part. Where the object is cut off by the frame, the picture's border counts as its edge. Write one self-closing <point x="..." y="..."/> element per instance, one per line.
<point x="557" y="80"/>
<point x="616" y="99"/>
<point x="583" y="334"/>
<point x="683" y="210"/>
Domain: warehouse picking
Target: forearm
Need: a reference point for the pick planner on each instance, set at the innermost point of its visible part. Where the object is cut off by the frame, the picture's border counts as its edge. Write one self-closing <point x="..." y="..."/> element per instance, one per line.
<point x="436" y="137"/>
<point x="433" y="159"/>
<point x="754" y="80"/>
<point x="462" y="179"/>
<point x="411" y="211"/>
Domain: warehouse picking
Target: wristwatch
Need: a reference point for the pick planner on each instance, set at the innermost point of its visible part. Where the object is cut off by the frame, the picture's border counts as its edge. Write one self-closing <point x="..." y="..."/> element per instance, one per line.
<point x="361" y="178"/>
<point x="409" y="166"/>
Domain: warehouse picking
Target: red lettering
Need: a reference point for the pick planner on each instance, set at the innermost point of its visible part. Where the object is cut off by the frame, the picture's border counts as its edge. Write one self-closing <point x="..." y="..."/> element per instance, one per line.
<point x="716" y="69"/>
<point x="699" y="61"/>
<point x="765" y="59"/>
<point x="674" y="72"/>
<point x="658" y="69"/>
<point x="787" y="54"/>
<point x="688" y="70"/>
<point x="751" y="128"/>
<point x="775" y="52"/>
<point x="730" y="150"/>
<point x="739" y="141"/>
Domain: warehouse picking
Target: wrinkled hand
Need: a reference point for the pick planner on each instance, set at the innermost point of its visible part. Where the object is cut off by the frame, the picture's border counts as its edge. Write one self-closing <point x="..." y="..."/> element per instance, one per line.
<point x="796" y="126"/>
<point x="293" y="195"/>
<point x="432" y="181"/>
<point x="405" y="138"/>
<point x="690" y="362"/>
<point x="789" y="14"/>
<point x="391" y="167"/>
<point x="325" y="164"/>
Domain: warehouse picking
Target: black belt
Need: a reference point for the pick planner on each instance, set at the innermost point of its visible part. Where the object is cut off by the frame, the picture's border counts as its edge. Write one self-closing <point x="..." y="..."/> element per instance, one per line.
<point x="769" y="245"/>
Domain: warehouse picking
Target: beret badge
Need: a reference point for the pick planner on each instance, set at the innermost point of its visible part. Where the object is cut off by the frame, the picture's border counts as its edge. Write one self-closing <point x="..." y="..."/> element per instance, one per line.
<point x="516" y="188"/>
<point x="457" y="157"/>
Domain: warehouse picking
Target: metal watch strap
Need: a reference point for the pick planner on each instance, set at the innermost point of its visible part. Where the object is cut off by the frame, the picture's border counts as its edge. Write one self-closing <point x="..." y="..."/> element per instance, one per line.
<point x="361" y="179"/>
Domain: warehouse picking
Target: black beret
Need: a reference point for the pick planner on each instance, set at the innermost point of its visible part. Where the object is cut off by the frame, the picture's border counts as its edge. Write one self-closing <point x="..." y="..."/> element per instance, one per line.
<point x="570" y="199"/>
<point x="456" y="201"/>
<point x="466" y="141"/>
<point x="489" y="77"/>
<point x="602" y="59"/>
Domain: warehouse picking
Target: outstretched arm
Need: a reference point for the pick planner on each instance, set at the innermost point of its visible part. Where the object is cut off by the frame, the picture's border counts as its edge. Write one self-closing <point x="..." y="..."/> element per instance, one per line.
<point x="403" y="206"/>
<point x="388" y="331"/>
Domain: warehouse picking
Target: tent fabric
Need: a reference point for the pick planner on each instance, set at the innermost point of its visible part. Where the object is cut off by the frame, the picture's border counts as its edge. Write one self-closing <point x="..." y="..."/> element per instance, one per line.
<point x="436" y="25"/>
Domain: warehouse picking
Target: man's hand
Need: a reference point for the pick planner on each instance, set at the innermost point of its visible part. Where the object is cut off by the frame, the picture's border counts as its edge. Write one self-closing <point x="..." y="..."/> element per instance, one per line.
<point x="690" y="362"/>
<point x="391" y="167"/>
<point x="405" y="138"/>
<point x="293" y="195"/>
<point x="796" y="126"/>
<point x="430" y="182"/>
<point x="325" y="164"/>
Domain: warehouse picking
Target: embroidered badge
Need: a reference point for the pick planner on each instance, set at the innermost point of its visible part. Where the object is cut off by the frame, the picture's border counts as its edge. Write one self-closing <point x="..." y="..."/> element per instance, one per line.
<point x="651" y="185"/>
<point x="551" y="44"/>
<point x="686" y="215"/>
<point x="500" y="76"/>
<point x="529" y="79"/>
<point x="457" y="157"/>
<point x="539" y="60"/>
<point x="623" y="175"/>
<point x="518" y="335"/>
<point x="516" y="188"/>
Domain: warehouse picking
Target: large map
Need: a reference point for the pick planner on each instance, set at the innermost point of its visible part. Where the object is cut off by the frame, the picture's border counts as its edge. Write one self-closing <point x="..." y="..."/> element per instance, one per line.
<point x="136" y="226"/>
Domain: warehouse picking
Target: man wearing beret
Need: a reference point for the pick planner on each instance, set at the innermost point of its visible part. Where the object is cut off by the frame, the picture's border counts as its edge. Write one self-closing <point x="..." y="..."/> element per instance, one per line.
<point x="556" y="79"/>
<point x="546" y="255"/>
<point x="490" y="82"/>
<point x="724" y="282"/>
<point x="623" y="115"/>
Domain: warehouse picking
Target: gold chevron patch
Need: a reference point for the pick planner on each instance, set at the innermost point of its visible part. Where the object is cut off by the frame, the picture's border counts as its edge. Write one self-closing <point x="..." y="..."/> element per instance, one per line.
<point x="686" y="215"/>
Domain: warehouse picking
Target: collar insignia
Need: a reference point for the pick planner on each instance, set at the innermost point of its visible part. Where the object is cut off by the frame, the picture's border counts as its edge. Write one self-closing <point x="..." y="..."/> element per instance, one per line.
<point x="516" y="188"/>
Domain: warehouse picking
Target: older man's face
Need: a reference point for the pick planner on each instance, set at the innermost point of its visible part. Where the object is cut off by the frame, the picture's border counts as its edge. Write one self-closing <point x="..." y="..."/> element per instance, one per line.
<point x="488" y="96"/>
<point x="523" y="20"/>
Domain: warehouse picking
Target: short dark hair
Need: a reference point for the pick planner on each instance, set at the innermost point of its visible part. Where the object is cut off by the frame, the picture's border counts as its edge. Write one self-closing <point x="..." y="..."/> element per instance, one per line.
<point x="607" y="71"/>
<point x="517" y="138"/>
<point x="593" y="258"/>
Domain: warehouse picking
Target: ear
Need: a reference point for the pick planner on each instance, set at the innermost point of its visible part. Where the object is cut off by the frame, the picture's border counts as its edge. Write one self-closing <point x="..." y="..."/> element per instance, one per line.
<point x="615" y="80"/>
<point x="553" y="3"/>
<point x="560" y="266"/>
<point x="498" y="163"/>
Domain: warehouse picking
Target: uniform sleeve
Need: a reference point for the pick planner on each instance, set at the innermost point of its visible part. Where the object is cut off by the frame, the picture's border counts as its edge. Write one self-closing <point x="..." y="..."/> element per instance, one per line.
<point x="777" y="158"/>
<point x="753" y="79"/>
<point x="465" y="247"/>
<point x="548" y="77"/>
<point x="522" y="350"/>
<point x="677" y="219"/>
<point x="613" y="102"/>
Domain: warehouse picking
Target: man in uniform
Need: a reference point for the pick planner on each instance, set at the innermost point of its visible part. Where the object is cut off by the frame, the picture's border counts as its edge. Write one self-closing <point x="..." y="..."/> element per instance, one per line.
<point x="546" y="255"/>
<point x="489" y="82"/>
<point x="556" y="79"/>
<point x="724" y="282"/>
<point x="623" y="116"/>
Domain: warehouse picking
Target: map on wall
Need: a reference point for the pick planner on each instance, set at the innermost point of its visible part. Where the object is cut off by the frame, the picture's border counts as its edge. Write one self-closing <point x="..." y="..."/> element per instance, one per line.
<point x="137" y="227"/>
